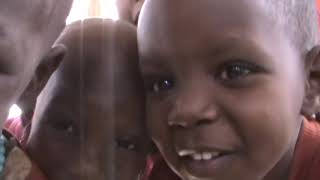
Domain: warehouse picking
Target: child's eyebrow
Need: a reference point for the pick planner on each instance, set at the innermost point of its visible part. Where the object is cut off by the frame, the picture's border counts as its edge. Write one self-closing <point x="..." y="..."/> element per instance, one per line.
<point x="227" y="46"/>
<point x="235" y="44"/>
<point x="152" y="65"/>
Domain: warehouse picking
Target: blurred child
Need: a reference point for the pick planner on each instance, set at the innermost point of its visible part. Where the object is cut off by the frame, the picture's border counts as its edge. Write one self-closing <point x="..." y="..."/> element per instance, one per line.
<point x="89" y="119"/>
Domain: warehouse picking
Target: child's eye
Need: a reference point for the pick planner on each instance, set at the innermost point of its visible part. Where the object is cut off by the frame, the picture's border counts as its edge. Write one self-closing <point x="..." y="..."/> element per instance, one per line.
<point x="157" y="86"/>
<point x="64" y="126"/>
<point x="162" y="85"/>
<point x="127" y="144"/>
<point x="236" y="71"/>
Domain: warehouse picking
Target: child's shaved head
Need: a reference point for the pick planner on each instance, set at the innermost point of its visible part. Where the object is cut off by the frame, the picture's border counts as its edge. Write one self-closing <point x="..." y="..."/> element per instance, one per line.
<point x="298" y="17"/>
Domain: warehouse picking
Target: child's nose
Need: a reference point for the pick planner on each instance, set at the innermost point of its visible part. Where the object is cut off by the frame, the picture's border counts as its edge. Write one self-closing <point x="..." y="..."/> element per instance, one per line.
<point x="193" y="108"/>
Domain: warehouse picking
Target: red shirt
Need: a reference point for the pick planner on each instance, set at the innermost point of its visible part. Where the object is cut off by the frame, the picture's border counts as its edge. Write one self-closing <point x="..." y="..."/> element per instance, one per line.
<point x="306" y="162"/>
<point x="157" y="169"/>
<point x="15" y="128"/>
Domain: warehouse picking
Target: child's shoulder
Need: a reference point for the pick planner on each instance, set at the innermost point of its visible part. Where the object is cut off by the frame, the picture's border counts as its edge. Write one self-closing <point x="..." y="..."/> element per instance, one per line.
<point x="306" y="162"/>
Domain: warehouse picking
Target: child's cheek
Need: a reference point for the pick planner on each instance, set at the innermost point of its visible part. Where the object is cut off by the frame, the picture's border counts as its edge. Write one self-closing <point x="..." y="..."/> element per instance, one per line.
<point x="157" y="121"/>
<point x="266" y="118"/>
<point x="133" y="163"/>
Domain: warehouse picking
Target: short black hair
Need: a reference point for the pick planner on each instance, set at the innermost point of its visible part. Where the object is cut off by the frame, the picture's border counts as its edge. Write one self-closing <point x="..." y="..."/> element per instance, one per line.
<point x="300" y="20"/>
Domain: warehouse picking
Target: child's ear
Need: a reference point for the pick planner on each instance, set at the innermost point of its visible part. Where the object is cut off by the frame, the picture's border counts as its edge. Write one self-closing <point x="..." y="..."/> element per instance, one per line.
<point x="48" y="65"/>
<point x="45" y="69"/>
<point x="311" y="104"/>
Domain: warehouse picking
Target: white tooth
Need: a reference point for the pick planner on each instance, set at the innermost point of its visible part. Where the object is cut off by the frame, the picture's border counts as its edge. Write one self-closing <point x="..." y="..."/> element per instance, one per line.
<point x="206" y="156"/>
<point x="185" y="153"/>
<point x="197" y="156"/>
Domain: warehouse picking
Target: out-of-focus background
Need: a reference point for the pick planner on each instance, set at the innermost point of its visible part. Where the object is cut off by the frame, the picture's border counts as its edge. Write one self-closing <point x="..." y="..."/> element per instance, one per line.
<point x="82" y="9"/>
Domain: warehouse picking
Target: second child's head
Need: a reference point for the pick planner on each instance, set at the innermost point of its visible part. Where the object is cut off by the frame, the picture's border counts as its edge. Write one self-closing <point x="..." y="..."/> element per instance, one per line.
<point x="89" y="119"/>
<point x="227" y="82"/>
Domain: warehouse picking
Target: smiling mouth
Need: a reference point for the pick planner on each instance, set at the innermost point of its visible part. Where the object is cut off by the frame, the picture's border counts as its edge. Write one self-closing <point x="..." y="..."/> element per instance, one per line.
<point x="199" y="156"/>
<point x="205" y="163"/>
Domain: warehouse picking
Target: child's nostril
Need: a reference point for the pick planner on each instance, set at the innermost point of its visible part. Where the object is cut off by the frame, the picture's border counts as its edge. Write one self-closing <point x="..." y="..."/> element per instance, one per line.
<point x="203" y="122"/>
<point x="178" y="124"/>
<point x="185" y="124"/>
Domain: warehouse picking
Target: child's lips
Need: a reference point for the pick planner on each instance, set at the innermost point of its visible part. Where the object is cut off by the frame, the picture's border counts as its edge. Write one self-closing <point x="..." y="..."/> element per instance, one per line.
<point x="207" y="167"/>
<point x="205" y="162"/>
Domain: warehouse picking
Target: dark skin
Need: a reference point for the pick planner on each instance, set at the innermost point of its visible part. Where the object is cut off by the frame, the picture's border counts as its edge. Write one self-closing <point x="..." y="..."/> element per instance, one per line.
<point x="89" y="119"/>
<point x="223" y="87"/>
<point x="27" y="100"/>
<point x="129" y="10"/>
<point x="27" y="32"/>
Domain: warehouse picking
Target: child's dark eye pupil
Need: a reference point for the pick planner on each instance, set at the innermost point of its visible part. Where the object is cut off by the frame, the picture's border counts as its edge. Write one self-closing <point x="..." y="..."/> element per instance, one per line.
<point x="126" y="144"/>
<point x="234" y="72"/>
<point x="162" y="85"/>
<point x="65" y="126"/>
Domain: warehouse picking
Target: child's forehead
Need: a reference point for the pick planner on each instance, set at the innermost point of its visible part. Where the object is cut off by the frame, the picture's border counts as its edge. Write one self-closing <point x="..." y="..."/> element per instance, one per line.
<point x="97" y="32"/>
<point x="97" y="51"/>
<point x="204" y="12"/>
<point x="101" y="42"/>
<point x="204" y="23"/>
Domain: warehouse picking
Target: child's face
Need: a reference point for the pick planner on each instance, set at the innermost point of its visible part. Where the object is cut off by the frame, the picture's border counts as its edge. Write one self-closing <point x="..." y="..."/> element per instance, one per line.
<point x="89" y="119"/>
<point x="23" y="40"/>
<point x="225" y="88"/>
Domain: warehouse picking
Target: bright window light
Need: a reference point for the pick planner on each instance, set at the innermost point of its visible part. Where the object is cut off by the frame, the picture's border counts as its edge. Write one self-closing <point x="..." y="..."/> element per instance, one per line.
<point x="109" y="9"/>
<point x="80" y="10"/>
<point x="15" y="111"/>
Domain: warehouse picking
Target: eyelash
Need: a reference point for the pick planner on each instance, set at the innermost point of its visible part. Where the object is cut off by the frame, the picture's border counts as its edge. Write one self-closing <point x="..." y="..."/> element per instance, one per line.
<point x="123" y="143"/>
<point x="240" y="70"/>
